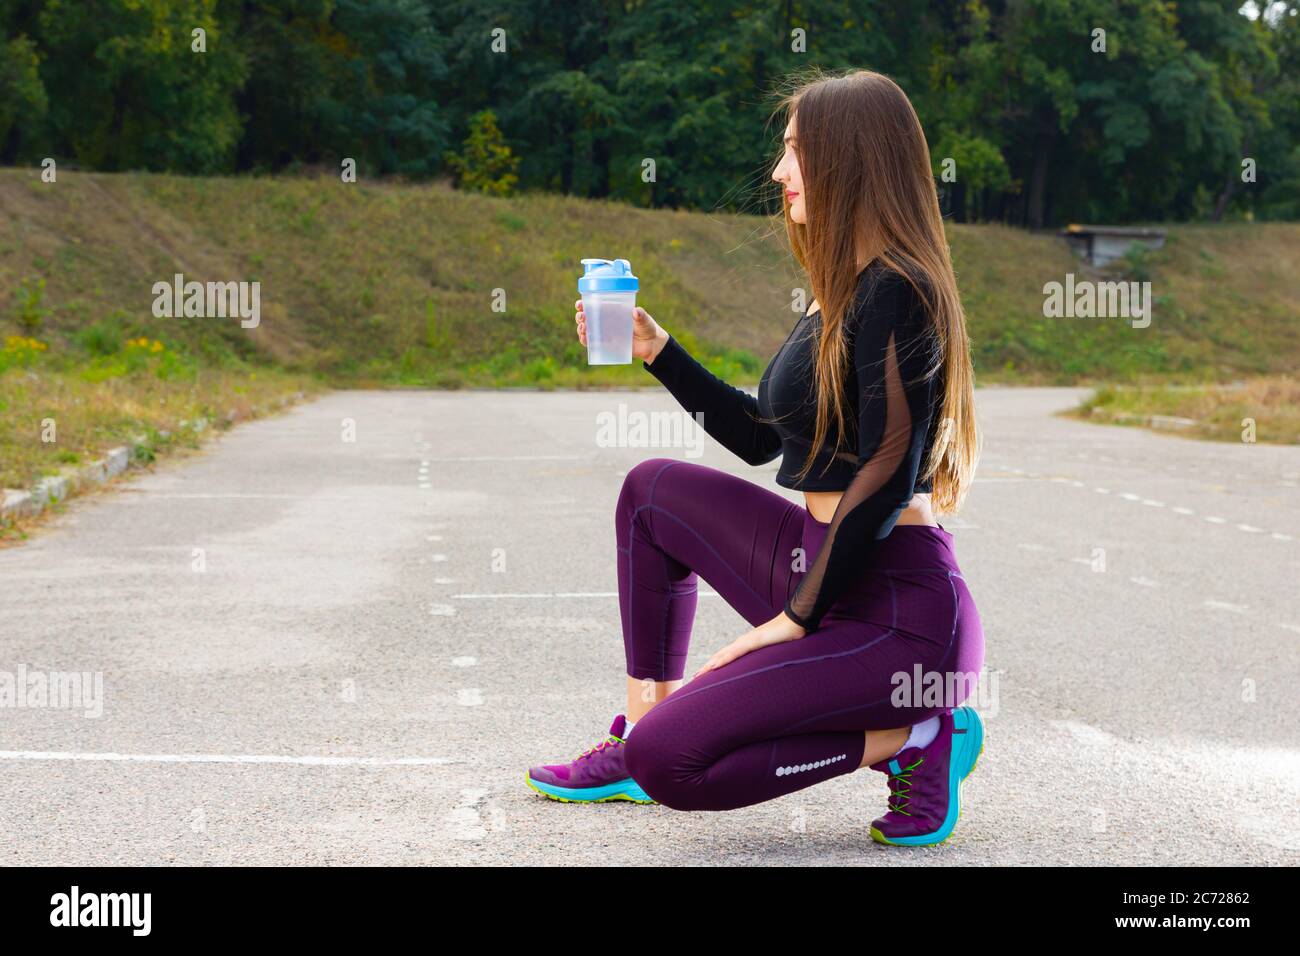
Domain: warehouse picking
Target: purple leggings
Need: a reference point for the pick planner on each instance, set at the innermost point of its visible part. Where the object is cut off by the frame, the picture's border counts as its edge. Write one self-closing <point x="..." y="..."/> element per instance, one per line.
<point x="902" y="644"/>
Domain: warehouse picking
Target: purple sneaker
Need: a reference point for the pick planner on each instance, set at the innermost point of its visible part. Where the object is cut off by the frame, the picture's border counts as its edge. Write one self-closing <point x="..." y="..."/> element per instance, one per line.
<point x="925" y="782"/>
<point x="597" y="776"/>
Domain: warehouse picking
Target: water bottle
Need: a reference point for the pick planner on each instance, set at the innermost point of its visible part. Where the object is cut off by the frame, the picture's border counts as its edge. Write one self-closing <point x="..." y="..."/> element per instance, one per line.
<point x="608" y="291"/>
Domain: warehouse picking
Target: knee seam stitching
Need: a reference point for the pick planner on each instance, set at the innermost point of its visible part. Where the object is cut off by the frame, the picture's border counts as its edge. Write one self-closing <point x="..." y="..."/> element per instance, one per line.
<point x="682" y="694"/>
<point x="845" y="710"/>
<point x="956" y="613"/>
<point x="893" y="600"/>
<point x="631" y="573"/>
<point x="726" y="564"/>
<point x="771" y="570"/>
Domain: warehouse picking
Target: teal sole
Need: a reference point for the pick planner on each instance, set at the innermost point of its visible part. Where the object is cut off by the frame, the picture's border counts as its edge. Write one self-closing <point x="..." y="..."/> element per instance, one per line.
<point x="967" y="749"/>
<point x="626" y="790"/>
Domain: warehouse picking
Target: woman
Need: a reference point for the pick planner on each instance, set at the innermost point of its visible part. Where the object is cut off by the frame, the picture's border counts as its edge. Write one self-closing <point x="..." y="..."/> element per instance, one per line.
<point x="859" y="609"/>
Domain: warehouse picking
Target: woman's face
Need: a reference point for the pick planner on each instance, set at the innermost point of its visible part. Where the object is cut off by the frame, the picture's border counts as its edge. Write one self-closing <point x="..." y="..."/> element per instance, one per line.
<point x="787" y="174"/>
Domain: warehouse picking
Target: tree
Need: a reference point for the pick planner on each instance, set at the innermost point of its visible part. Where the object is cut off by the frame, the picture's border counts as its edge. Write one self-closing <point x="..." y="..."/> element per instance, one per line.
<point x="22" y="94"/>
<point x="486" y="164"/>
<point x="127" y="90"/>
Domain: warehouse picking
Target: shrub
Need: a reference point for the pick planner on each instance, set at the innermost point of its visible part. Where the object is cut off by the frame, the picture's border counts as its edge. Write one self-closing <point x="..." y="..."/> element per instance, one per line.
<point x="31" y="312"/>
<point x="103" y="337"/>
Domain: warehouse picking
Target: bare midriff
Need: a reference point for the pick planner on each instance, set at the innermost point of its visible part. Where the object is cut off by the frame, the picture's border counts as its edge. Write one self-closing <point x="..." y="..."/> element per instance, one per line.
<point x="821" y="505"/>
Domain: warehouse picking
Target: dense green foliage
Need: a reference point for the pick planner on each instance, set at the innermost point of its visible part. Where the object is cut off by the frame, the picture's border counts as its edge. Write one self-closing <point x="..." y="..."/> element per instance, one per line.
<point x="1044" y="126"/>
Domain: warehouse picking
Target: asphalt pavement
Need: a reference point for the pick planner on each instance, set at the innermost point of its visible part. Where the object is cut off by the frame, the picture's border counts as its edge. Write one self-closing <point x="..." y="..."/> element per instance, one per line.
<point x="320" y="650"/>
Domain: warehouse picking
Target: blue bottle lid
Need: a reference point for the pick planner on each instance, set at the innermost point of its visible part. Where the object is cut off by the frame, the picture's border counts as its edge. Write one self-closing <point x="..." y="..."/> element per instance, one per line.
<point x="606" y="275"/>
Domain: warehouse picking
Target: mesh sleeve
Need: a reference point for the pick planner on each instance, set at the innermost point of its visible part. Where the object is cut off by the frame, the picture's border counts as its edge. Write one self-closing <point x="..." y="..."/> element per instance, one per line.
<point x="893" y="419"/>
<point x="728" y="413"/>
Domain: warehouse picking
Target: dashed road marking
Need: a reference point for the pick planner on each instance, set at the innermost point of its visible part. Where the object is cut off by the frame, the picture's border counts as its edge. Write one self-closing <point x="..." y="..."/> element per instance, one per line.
<point x="1224" y="606"/>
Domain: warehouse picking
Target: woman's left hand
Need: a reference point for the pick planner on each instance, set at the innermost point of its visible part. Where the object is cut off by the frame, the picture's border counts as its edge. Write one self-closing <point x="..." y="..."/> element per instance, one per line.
<point x="776" y="631"/>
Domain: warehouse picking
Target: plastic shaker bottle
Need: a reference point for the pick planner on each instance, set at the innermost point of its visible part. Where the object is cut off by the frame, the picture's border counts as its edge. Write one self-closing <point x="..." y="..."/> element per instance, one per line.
<point x="608" y="291"/>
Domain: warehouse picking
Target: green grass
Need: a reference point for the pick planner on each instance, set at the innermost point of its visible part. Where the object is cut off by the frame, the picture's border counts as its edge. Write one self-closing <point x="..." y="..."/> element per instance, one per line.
<point x="1264" y="409"/>
<point x="58" y="411"/>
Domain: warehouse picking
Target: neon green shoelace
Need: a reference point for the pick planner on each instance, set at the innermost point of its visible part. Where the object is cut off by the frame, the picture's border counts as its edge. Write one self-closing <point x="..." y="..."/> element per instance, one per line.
<point x="608" y="741"/>
<point x="903" y="792"/>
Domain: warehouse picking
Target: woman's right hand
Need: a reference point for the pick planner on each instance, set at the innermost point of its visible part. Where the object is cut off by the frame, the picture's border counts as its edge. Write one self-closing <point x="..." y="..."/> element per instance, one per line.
<point x="648" y="337"/>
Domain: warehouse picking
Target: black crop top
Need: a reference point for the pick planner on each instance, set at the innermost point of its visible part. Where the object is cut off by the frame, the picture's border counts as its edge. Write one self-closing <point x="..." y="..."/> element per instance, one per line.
<point x="893" y="346"/>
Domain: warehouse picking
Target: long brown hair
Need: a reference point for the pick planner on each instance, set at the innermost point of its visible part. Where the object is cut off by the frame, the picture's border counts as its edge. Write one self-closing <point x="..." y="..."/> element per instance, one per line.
<point x="870" y="195"/>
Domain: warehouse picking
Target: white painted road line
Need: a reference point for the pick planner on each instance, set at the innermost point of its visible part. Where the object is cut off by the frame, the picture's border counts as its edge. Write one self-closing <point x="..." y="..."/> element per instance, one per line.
<point x="227" y="758"/>
<point x="141" y="496"/>
<point x="515" y="458"/>
<point x="559" y="594"/>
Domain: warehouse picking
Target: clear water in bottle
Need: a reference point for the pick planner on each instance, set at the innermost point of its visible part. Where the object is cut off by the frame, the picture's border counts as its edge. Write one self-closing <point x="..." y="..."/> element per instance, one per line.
<point x="609" y="327"/>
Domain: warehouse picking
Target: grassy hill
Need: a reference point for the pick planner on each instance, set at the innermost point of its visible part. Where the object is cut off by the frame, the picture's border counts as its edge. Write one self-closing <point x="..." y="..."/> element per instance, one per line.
<point x="394" y="285"/>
